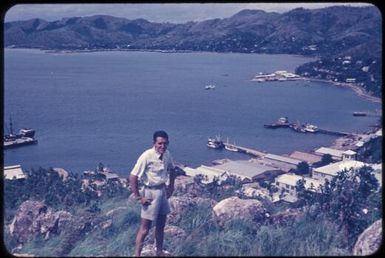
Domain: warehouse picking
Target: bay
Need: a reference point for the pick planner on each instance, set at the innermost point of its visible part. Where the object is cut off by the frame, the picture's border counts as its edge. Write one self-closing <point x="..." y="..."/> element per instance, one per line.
<point x="96" y="107"/>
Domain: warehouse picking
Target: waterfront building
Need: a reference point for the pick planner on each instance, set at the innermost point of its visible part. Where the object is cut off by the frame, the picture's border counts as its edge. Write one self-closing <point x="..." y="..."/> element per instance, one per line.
<point x="304" y="156"/>
<point x="282" y="162"/>
<point x="286" y="185"/>
<point x="247" y="171"/>
<point x="331" y="170"/>
<point x="209" y="173"/>
<point x="14" y="172"/>
<point x="349" y="155"/>
<point x="336" y="154"/>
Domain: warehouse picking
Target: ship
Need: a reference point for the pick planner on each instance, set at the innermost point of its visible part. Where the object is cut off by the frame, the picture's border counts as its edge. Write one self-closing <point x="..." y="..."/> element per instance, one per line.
<point x="215" y="143"/>
<point x="298" y="127"/>
<point x="310" y="128"/>
<point x="282" y="122"/>
<point x="25" y="136"/>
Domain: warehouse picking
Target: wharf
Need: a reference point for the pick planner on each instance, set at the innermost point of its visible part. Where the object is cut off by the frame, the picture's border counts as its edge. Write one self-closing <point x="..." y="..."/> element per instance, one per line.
<point x="250" y="151"/>
<point x="333" y="132"/>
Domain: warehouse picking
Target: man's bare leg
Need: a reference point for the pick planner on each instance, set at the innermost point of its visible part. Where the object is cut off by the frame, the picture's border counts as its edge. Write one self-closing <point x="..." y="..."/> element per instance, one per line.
<point x="159" y="234"/>
<point x="144" y="227"/>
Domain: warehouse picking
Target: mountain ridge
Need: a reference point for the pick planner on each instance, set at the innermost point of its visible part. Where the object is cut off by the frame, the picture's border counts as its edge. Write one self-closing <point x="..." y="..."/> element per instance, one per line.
<point x="249" y="31"/>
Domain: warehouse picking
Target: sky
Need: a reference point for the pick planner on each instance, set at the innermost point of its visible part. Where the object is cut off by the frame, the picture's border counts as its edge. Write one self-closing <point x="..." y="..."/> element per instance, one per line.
<point x="165" y="12"/>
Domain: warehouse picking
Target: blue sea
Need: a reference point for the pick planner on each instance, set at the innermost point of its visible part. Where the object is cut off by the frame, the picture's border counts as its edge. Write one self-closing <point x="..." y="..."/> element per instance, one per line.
<point x="96" y="107"/>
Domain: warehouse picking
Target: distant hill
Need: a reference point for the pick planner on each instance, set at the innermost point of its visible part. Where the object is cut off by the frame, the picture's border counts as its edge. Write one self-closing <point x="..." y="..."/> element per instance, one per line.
<point x="300" y="31"/>
<point x="331" y="34"/>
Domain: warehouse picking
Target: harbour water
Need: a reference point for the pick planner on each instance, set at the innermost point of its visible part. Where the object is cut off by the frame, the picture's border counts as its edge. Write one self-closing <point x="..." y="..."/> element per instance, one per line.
<point x="96" y="107"/>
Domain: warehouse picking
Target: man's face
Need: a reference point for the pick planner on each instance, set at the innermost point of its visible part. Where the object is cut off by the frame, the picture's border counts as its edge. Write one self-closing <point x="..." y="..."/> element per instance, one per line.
<point x="160" y="145"/>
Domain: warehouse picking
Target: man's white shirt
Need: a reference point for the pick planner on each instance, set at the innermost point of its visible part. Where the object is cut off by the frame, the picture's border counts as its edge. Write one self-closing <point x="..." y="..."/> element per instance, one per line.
<point x="151" y="169"/>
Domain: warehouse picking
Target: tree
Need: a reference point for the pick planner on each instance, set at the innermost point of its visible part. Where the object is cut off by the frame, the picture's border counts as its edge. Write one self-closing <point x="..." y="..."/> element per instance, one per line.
<point x="326" y="159"/>
<point x="302" y="168"/>
<point x="350" y="198"/>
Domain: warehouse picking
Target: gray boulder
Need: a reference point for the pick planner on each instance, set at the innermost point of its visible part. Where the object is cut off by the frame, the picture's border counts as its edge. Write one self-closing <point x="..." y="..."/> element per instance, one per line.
<point x="35" y="217"/>
<point x="370" y="240"/>
<point x="179" y="204"/>
<point x="236" y="208"/>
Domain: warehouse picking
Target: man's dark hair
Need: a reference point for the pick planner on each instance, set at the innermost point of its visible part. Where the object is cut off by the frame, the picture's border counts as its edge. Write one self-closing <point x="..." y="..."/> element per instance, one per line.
<point x="162" y="134"/>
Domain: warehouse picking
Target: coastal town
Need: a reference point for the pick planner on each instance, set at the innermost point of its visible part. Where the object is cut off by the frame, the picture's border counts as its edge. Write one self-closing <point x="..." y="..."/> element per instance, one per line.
<point x="303" y="179"/>
<point x="256" y="174"/>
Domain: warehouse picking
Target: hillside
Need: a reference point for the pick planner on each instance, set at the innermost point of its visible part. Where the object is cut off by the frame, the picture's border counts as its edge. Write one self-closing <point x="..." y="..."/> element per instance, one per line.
<point x="49" y="215"/>
<point x="328" y="33"/>
<point x="332" y="30"/>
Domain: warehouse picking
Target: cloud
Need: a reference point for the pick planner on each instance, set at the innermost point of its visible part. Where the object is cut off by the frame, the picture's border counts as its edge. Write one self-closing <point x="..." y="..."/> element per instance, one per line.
<point x="175" y="13"/>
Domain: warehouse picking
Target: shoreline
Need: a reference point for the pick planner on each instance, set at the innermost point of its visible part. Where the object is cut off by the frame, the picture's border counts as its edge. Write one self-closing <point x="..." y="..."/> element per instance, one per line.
<point x="361" y="92"/>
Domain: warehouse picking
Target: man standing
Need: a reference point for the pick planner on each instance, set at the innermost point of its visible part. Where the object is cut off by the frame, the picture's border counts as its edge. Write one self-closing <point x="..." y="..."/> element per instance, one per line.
<point x="155" y="168"/>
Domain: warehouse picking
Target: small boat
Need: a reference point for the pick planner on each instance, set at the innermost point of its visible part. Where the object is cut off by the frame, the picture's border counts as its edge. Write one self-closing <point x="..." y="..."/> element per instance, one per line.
<point x="359" y="113"/>
<point x="210" y="87"/>
<point x="24" y="137"/>
<point x="311" y="128"/>
<point x="231" y="148"/>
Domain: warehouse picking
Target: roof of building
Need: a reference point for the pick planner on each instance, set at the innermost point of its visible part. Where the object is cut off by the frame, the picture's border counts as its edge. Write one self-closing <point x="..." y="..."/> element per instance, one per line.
<point x="292" y="179"/>
<point x="13" y="172"/>
<point x="203" y="170"/>
<point x="244" y="168"/>
<point x="333" y="152"/>
<point x="283" y="159"/>
<point x="304" y="156"/>
<point x="350" y="152"/>
<point x="333" y="168"/>
<point x="109" y="175"/>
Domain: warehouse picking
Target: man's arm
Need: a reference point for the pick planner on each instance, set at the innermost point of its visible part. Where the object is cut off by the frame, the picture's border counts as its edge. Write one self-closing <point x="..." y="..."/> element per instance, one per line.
<point x="135" y="190"/>
<point x="134" y="186"/>
<point x="170" y="188"/>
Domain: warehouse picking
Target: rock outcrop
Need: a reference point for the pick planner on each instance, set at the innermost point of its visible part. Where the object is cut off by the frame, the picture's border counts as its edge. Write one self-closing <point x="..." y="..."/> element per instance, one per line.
<point x="35" y="217"/>
<point x="172" y="233"/>
<point x="370" y="240"/>
<point x="236" y="208"/>
<point x="179" y="204"/>
<point x="284" y="218"/>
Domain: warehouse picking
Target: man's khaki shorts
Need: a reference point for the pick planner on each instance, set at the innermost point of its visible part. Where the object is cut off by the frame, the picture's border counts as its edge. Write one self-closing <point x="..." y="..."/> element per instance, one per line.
<point x="159" y="204"/>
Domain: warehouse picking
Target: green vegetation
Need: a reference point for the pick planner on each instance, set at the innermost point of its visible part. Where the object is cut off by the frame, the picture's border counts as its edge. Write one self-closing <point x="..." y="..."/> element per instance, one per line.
<point x="371" y="152"/>
<point x="302" y="168"/>
<point x="326" y="160"/>
<point x="326" y="224"/>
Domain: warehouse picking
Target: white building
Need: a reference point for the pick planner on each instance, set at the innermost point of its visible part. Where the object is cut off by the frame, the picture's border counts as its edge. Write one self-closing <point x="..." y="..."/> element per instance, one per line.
<point x="245" y="170"/>
<point x="208" y="172"/>
<point x="13" y="172"/>
<point x="286" y="184"/>
<point x="282" y="162"/>
<point x="331" y="170"/>
<point x="336" y="154"/>
<point x="349" y="155"/>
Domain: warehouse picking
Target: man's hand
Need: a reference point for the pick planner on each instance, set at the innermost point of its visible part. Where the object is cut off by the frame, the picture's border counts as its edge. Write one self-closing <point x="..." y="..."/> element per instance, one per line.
<point x="170" y="190"/>
<point x="145" y="201"/>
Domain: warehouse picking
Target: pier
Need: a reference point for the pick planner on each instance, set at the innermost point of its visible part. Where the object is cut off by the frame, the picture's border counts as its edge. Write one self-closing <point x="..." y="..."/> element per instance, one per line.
<point x="249" y="151"/>
<point x="330" y="132"/>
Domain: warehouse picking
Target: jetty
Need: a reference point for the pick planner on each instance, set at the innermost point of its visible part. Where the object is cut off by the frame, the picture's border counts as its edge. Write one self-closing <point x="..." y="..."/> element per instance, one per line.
<point x="330" y="132"/>
<point x="283" y="122"/>
<point x="246" y="150"/>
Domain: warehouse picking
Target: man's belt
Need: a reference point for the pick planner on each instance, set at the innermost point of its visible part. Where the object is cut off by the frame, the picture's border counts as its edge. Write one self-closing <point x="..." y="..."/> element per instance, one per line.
<point x="155" y="186"/>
